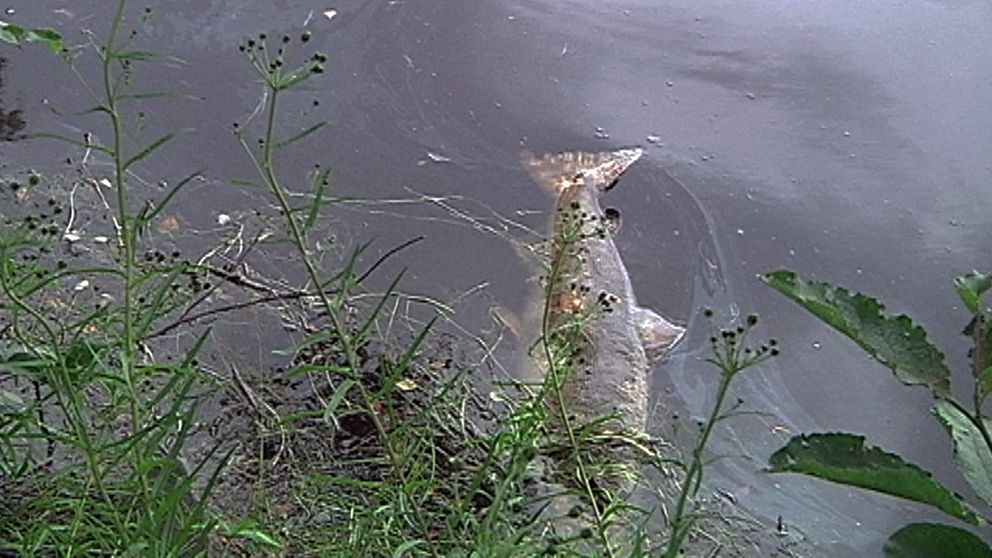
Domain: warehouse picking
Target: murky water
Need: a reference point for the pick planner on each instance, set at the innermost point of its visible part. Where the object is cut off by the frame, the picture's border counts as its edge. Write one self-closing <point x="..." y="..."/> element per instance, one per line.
<point x="848" y="142"/>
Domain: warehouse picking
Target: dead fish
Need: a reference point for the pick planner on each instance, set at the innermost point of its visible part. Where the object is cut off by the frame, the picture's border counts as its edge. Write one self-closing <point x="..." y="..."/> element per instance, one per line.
<point x="620" y="339"/>
<point x="610" y="354"/>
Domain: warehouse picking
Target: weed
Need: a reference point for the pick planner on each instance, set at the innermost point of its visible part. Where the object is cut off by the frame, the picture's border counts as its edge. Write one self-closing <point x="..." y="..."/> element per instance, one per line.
<point x="902" y="346"/>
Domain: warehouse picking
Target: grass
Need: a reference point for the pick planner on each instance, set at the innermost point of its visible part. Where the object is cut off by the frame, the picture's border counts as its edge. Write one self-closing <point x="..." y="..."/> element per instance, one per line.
<point x="365" y="445"/>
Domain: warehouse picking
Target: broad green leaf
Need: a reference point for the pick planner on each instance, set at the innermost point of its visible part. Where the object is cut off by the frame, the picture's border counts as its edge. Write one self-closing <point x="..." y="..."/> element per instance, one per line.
<point x="844" y="458"/>
<point x="930" y="540"/>
<point x="971" y="287"/>
<point x="973" y="455"/>
<point x="895" y="341"/>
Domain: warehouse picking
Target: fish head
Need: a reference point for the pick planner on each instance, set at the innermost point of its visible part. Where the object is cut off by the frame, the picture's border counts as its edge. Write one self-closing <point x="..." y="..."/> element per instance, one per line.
<point x="606" y="174"/>
<point x="563" y="171"/>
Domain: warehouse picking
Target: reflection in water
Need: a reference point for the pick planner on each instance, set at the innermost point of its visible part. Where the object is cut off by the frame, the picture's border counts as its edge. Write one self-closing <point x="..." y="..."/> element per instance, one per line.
<point x="687" y="383"/>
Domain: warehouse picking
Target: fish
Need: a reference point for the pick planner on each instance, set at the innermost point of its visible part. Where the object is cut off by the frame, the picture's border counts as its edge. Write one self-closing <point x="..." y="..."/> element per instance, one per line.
<point x="619" y="339"/>
<point x="593" y="332"/>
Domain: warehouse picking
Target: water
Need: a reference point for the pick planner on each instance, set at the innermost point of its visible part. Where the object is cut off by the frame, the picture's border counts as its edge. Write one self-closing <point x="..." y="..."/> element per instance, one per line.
<point x="848" y="142"/>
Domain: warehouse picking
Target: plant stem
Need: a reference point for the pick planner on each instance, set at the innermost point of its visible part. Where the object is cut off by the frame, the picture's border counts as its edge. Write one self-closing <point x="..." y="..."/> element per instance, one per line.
<point x="299" y="239"/>
<point x="568" y="238"/>
<point x="694" y="476"/>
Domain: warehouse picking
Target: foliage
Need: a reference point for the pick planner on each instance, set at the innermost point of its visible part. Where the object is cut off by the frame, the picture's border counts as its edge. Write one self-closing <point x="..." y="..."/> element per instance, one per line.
<point x="93" y="429"/>
<point x="16" y="35"/>
<point x="902" y="346"/>
<point x="102" y="448"/>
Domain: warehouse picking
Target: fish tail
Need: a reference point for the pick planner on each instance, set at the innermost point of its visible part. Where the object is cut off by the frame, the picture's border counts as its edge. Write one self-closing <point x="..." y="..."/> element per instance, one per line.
<point x="558" y="171"/>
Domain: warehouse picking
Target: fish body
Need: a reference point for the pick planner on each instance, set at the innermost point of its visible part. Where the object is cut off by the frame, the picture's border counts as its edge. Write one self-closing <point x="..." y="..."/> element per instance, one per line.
<point x="617" y="340"/>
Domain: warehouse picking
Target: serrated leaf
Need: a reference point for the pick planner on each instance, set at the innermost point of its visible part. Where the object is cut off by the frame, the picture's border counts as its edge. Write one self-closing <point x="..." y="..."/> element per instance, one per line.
<point x="930" y="540"/>
<point x="895" y="341"/>
<point x="972" y="454"/>
<point x="844" y="458"/>
<point x="971" y="287"/>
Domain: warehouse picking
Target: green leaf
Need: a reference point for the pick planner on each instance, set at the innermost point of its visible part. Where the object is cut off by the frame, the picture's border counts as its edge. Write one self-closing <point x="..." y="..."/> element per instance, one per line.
<point x="319" y="186"/>
<point x="15" y="35"/>
<point x="985" y="383"/>
<point x="844" y="458"/>
<point x="895" y="341"/>
<point x="973" y="455"/>
<point x="971" y="287"/>
<point x="50" y="37"/>
<point x="402" y="550"/>
<point x="929" y="540"/>
<point x="10" y="33"/>
<point x="297" y="137"/>
<point x="150" y="149"/>
<point x="330" y="412"/>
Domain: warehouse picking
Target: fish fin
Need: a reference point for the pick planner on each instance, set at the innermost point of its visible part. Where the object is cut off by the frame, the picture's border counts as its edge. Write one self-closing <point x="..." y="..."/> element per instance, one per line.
<point x="556" y="172"/>
<point x="658" y="335"/>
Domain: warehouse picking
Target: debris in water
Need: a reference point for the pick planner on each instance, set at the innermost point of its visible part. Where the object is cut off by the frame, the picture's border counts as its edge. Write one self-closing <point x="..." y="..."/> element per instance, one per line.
<point x="168" y="224"/>
<point x="223" y="219"/>
<point x="406" y="384"/>
<point x="437" y="158"/>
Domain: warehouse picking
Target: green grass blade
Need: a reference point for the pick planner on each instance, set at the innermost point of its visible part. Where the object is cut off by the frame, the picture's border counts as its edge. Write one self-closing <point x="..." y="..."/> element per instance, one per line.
<point x="319" y="187"/>
<point x="79" y="143"/>
<point x="330" y="411"/>
<point x="845" y="459"/>
<point x="164" y="202"/>
<point x="895" y="341"/>
<point x="149" y="150"/>
<point x="363" y="330"/>
<point x="295" y="138"/>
